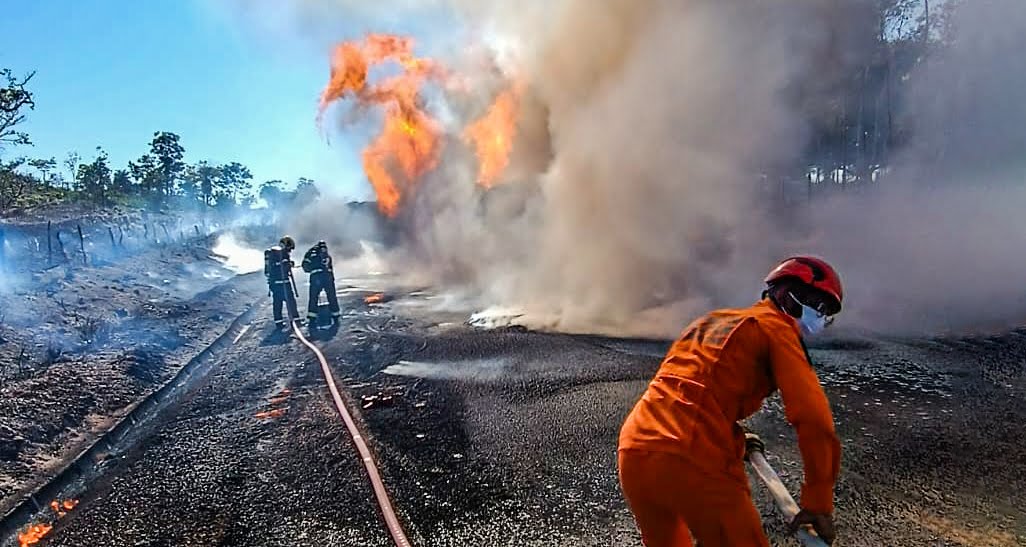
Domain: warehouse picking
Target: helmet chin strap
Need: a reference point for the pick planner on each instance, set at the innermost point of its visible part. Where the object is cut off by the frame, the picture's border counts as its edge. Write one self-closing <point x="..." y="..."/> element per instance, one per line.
<point x="770" y="293"/>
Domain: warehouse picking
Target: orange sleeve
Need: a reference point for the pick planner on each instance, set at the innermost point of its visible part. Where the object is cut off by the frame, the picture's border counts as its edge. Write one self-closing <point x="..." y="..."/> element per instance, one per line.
<point x="808" y="410"/>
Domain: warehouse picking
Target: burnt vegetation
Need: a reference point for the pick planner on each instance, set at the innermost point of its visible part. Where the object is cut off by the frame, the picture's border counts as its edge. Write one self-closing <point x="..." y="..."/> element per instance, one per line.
<point x="92" y="329"/>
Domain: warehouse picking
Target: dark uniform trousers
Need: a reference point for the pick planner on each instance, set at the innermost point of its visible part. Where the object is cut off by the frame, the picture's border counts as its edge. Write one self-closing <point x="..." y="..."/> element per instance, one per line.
<point x="322" y="280"/>
<point x="281" y="291"/>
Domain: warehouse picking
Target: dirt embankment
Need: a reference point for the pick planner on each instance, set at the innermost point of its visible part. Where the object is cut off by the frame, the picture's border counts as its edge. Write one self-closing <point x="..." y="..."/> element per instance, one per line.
<point x="71" y="234"/>
<point x="83" y="340"/>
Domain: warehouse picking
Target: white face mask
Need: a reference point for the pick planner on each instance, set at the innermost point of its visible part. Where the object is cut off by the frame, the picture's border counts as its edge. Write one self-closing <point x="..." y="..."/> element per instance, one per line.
<point x="812" y="321"/>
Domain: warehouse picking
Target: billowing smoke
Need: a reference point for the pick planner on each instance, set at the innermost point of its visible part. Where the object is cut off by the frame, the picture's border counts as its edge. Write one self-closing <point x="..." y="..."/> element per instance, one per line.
<point x="237" y="257"/>
<point x="937" y="246"/>
<point x="635" y="195"/>
<point x="657" y="117"/>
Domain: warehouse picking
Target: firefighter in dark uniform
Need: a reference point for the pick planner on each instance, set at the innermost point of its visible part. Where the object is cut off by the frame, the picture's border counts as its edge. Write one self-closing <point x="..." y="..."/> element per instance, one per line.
<point x="317" y="263"/>
<point x="278" y="271"/>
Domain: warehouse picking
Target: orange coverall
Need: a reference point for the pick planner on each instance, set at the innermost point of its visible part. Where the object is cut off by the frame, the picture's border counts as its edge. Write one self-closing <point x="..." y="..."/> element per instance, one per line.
<point x="681" y="451"/>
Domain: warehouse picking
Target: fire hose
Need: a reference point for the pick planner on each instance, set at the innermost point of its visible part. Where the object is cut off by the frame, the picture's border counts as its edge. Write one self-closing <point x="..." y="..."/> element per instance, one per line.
<point x="755" y="453"/>
<point x="384" y="503"/>
<point x="292" y="283"/>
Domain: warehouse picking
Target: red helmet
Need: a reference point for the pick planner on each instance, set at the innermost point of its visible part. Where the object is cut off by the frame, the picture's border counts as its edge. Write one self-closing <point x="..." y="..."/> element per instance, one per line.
<point x="812" y="271"/>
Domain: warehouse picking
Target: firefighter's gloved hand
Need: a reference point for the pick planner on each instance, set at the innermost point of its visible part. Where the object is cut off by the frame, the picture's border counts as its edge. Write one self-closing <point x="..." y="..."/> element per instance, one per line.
<point x="822" y="523"/>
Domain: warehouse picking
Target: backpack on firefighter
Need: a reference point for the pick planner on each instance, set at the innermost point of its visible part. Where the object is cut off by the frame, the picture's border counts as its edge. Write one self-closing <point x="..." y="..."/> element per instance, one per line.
<point x="317" y="262"/>
<point x="278" y="271"/>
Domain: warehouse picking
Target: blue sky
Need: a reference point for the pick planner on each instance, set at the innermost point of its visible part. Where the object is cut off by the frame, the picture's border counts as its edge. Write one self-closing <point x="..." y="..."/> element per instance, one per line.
<point x="236" y="84"/>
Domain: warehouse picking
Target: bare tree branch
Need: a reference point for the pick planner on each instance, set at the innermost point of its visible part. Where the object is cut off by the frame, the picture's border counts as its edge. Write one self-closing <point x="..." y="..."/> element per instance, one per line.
<point x="14" y="99"/>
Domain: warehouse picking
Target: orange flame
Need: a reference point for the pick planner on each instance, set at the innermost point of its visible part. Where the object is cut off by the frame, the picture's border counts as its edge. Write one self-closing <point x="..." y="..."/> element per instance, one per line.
<point x="33" y="534"/>
<point x="61" y="508"/>
<point x="374" y="298"/>
<point x="492" y="135"/>
<point x="409" y="140"/>
<point x="271" y="414"/>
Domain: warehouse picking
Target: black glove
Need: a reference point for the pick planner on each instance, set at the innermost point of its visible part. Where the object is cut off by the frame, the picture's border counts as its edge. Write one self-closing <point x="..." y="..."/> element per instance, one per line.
<point x="822" y="523"/>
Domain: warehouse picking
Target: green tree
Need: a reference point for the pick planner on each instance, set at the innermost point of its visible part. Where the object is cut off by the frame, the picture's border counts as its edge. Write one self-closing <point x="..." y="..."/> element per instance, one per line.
<point x="47" y="169"/>
<point x="122" y="183"/>
<point x="271" y="192"/>
<point x="306" y="191"/>
<point x="93" y="180"/>
<point x="247" y="201"/>
<point x="14" y="185"/>
<point x="14" y="99"/>
<point x="231" y="184"/>
<point x="167" y="151"/>
<point x="147" y="180"/>
<point x="201" y="180"/>
<point x="72" y="161"/>
<point x="188" y="185"/>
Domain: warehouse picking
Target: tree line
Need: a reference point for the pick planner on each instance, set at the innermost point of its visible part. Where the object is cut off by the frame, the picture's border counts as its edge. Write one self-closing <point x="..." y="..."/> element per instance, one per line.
<point x="159" y="179"/>
<point x="860" y="119"/>
<point x="858" y="113"/>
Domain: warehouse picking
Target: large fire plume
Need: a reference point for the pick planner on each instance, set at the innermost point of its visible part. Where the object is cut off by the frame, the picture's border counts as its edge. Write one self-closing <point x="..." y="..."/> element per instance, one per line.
<point x="410" y="142"/>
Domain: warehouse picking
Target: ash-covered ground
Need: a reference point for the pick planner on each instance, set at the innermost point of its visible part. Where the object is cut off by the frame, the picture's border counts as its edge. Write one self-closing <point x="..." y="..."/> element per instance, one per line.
<point x="515" y="440"/>
<point x="84" y="338"/>
<point x="508" y="437"/>
<point x="254" y="455"/>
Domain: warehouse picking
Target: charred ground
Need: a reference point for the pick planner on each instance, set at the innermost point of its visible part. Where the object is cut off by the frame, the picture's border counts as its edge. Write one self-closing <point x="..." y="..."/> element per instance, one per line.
<point x="85" y="338"/>
<point x="503" y="437"/>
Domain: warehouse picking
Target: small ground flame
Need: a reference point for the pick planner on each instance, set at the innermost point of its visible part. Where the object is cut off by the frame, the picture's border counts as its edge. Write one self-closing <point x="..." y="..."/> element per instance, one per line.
<point x="271" y="414"/>
<point x="33" y="534"/>
<point x="375" y="298"/>
<point x="277" y="399"/>
<point x="61" y="508"/>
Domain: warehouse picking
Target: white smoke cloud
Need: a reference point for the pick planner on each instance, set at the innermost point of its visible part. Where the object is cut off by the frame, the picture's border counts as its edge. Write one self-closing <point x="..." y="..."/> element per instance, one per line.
<point x="656" y="115"/>
<point x="236" y="256"/>
<point x="938" y="246"/>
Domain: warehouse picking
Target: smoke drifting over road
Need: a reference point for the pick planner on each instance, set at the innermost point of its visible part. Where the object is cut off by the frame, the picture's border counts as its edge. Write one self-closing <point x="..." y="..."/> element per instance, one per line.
<point x="632" y="200"/>
<point x="939" y="245"/>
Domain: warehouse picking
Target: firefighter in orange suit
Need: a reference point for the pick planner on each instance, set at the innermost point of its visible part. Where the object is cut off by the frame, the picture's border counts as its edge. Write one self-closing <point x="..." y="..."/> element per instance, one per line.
<point x="681" y="449"/>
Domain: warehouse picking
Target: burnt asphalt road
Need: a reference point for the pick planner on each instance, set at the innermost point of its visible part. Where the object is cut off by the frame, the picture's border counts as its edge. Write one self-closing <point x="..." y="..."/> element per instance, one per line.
<point x="216" y="473"/>
<point x="508" y="438"/>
